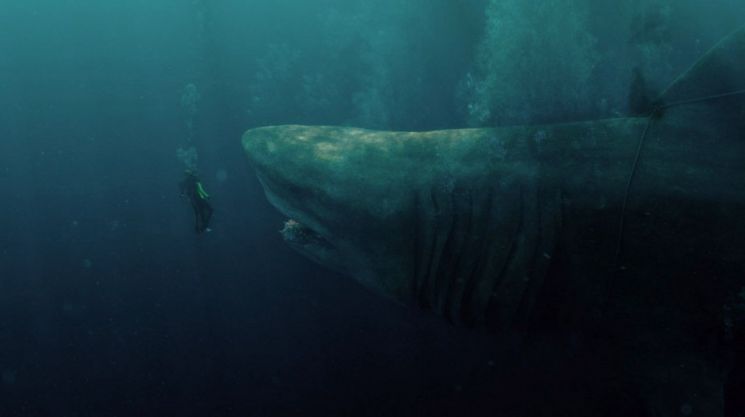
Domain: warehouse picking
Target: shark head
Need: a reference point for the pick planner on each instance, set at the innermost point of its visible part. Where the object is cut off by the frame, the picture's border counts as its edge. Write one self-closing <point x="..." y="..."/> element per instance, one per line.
<point x="426" y="218"/>
<point x="342" y="203"/>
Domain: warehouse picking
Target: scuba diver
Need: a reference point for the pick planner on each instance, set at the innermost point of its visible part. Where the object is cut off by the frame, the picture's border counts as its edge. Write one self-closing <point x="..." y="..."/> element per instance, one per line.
<point x="191" y="188"/>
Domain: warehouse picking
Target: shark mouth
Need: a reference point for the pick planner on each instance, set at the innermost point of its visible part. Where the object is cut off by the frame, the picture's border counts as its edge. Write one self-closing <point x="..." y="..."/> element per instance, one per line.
<point x="297" y="233"/>
<point x="311" y="244"/>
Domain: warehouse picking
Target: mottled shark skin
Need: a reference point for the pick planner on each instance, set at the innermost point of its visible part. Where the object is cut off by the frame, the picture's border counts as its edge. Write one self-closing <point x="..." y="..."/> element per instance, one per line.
<point x="519" y="227"/>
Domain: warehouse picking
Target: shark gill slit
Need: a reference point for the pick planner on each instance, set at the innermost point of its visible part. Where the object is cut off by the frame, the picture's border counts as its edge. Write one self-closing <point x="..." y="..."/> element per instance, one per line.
<point x="446" y="255"/>
<point x="549" y="221"/>
<point x="493" y="305"/>
<point x="524" y="303"/>
<point x="467" y="311"/>
<point x="428" y="289"/>
<point x="460" y="255"/>
<point x="426" y="284"/>
<point x="495" y="253"/>
<point x="513" y="288"/>
<point x="425" y="228"/>
<point x="466" y="261"/>
<point x="449" y="255"/>
<point x="417" y="246"/>
<point x="443" y="219"/>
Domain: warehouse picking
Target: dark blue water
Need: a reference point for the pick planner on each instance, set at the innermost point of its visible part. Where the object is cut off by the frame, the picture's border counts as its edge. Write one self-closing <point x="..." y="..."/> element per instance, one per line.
<point x="110" y="304"/>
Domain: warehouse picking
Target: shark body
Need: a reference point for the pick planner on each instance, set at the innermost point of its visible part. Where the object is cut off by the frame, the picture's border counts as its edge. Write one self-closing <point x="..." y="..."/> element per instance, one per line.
<point x="632" y="228"/>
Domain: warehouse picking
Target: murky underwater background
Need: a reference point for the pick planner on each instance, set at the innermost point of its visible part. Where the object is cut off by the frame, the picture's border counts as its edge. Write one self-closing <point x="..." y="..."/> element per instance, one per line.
<point x="110" y="305"/>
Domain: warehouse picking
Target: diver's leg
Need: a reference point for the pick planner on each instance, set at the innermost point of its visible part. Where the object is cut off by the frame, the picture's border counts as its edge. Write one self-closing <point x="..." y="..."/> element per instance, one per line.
<point x="198" y="227"/>
<point x="208" y="213"/>
<point x="205" y="212"/>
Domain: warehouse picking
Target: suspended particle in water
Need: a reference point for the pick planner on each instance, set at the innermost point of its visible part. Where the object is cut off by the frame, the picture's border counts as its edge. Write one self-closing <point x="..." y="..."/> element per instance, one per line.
<point x="87" y="263"/>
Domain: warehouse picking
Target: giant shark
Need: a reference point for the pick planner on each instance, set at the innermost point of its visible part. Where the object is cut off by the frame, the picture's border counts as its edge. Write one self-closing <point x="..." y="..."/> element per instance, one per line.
<point x="631" y="230"/>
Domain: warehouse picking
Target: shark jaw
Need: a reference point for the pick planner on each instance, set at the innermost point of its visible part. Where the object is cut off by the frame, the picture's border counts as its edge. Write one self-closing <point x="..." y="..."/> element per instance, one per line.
<point x="332" y="219"/>
<point x="298" y="230"/>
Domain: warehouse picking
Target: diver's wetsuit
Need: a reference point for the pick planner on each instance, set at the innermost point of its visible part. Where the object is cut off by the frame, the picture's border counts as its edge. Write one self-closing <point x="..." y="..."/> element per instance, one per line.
<point x="192" y="189"/>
